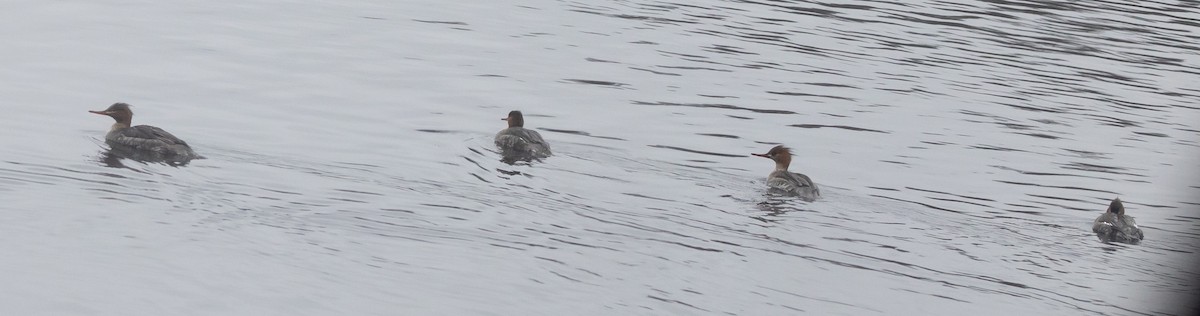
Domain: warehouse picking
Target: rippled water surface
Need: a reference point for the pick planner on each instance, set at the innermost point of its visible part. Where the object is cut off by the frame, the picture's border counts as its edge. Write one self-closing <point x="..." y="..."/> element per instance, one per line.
<point x="963" y="149"/>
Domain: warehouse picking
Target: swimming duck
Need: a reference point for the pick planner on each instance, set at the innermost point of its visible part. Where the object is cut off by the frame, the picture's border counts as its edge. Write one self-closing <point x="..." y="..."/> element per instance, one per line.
<point x="143" y="141"/>
<point x="1115" y="226"/>
<point x="791" y="183"/>
<point x="519" y="143"/>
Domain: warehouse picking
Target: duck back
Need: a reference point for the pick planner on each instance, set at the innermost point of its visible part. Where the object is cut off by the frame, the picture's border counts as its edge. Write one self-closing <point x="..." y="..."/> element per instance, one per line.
<point x="519" y="143"/>
<point x="1111" y="227"/>
<point x="791" y="183"/>
<point x="149" y="140"/>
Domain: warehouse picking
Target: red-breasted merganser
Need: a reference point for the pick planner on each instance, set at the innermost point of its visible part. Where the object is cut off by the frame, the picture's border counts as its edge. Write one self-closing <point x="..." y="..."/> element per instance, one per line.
<point x="790" y="183"/>
<point x="143" y="141"/>
<point x="519" y="143"/>
<point x="1115" y="226"/>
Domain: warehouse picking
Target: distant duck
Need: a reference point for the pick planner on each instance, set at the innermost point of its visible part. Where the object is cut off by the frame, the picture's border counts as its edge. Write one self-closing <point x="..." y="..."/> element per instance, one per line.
<point x="143" y="141"/>
<point x="791" y="183"/>
<point x="1115" y="226"/>
<point x="517" y="143"/>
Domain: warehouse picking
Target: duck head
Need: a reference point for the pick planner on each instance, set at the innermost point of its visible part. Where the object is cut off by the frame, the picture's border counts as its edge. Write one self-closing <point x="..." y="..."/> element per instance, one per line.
<point x="781" y="155"/>
<point x="1116" y="207"/>
<point x="515" y="119"/>
<point x="119" y="112"/>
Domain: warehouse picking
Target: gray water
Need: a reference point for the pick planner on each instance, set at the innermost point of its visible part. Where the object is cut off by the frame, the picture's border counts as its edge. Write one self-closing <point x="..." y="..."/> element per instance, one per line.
<point x="963" y="149"/>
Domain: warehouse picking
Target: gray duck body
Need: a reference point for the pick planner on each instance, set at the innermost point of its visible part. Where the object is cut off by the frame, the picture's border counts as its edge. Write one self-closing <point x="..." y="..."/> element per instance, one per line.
<point x="1115" y="226"/>
<point x="791" y="183"/>
<point x="148" y="140"/>
<point x="517" y="143"/>
<point x="143" y="142"/>
<point x="782" y="181"/>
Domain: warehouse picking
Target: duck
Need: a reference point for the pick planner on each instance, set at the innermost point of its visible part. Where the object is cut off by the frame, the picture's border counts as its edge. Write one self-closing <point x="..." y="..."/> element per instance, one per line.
<point x="1115" y="226"/>
<point x="517" y="143"/>
<point x="786" y="182"/>
<point x="143" y="141"/>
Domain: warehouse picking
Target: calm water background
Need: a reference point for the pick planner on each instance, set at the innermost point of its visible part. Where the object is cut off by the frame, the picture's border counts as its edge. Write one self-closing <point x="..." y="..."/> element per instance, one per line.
<point x="963" y="148"/>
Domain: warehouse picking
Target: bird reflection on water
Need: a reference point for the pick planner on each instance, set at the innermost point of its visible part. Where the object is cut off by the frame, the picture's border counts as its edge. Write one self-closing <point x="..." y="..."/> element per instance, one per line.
<point x="112" y="158"/>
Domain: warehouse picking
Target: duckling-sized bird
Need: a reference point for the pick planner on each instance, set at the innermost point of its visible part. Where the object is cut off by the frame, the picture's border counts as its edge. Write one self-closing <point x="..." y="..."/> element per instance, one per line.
<point x="783" y="181"/>
<point x="517" y="143"/>
<point x="143" y="141"/>
<point x="1115" y="226"/>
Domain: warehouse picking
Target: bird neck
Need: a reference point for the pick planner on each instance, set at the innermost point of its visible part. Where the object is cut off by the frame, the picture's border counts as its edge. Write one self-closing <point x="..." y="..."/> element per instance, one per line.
<point x="783" y="162"/>
<point x="119" y="125"/>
